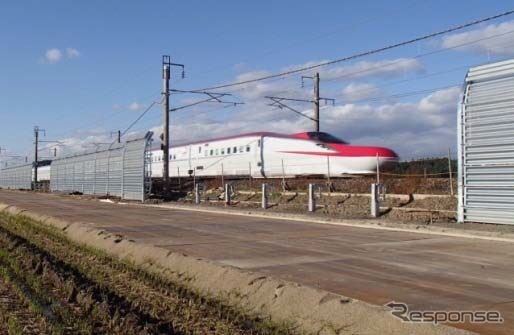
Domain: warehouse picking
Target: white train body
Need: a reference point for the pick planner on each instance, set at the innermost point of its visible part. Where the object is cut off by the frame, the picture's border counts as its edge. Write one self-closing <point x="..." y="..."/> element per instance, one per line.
<point x="270" y="155"/>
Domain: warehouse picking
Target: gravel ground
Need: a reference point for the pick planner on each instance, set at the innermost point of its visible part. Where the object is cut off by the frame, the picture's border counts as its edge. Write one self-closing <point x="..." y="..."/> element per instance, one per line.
<point x="403" y="185"/>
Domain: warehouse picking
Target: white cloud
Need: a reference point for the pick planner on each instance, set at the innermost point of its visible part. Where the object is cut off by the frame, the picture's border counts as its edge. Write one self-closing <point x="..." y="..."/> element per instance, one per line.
<point x="135" y="106"/>
<point x="80" y="141"/>
<point x="484" y="40"/>
<point x="53" y="55"/>
<point x="420" y="128"/>
<point x="359" y="91"/>
<point x="72" y="53"/>
<point x="424" y="127"/>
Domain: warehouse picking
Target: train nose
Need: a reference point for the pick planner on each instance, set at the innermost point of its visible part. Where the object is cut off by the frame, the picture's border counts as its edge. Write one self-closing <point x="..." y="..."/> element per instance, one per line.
<point x="383" y="152"/>
<point x="365" y="151"/>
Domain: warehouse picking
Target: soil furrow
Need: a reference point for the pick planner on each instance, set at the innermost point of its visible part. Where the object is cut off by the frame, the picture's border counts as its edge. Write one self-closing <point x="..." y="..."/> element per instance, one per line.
<point x="16" y="313"/>
<point x="97" y="294"/>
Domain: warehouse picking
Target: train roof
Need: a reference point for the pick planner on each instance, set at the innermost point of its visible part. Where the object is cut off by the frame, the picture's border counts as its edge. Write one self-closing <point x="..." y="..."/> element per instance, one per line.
<point x="255" y="134"/>
<point x="313" y="136"/>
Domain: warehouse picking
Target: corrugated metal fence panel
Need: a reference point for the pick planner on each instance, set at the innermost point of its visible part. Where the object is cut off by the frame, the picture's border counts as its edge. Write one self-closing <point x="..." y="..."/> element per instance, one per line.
<point x="487" y="139"/>
<point x="134" y="170"/>
<point x="118" y="170"/>
<point x="102" y="162"/>
<point x="16" y="177"/>
<point x="115" y="174"/>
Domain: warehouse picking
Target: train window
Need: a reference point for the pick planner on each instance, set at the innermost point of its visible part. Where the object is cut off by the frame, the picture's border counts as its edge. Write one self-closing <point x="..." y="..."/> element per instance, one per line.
<point x="217" y="152"/>
<point x="247" y="148"/>
<point x="241" y="149"/>
<point x="222" y="151"/>
<point x="212" y="151"/>
<point x="235" y="150"/>
<point x="258" y="143"/>
<point x="228" y="151"/>
<point x="174" y="156"/>
<point x="324" y="137"/>
<point x="199" y="150"/>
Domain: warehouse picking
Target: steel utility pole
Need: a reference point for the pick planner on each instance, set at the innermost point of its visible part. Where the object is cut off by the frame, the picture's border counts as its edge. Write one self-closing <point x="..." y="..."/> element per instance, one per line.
<point x="166" y="125"/>
<point x="316" y="100"/>
<point x="166" y="64"/>
<point x="280" y="102"/>
<point x="37" y="130"/>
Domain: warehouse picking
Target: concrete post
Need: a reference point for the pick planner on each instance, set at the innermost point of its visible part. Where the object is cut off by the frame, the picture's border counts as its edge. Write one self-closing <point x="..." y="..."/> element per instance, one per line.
<point x="264" y="196"/>
<point x="375" y="203"/>
<point x="312" y="200"/>
<point x="197" y="194"/>
<point x="227" y="194"/>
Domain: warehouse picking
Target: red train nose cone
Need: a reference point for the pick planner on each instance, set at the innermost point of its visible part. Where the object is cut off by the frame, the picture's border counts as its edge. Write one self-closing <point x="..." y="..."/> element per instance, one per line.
<point x="362" y="151"/>
<point x="383" y="152"/>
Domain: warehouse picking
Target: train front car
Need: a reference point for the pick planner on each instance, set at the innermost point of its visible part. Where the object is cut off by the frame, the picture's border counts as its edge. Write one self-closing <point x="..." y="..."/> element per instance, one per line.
<point x="345" y="158"/>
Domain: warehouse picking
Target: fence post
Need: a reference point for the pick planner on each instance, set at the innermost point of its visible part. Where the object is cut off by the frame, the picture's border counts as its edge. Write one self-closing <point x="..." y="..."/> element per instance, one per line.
<point x="312" y="200"/>
<point x="378" y="170"/>
<point x="283" y="177"/>
<point x="328" y="176"/>
<point x="375" y="203"/>
<point x="197" y="194"/>
<point x="227" y="194"/>
<point x="264" y="196"/>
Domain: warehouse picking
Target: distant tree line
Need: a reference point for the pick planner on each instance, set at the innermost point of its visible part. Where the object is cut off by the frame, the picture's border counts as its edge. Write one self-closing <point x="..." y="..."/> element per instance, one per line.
<point x="431" y="167"/>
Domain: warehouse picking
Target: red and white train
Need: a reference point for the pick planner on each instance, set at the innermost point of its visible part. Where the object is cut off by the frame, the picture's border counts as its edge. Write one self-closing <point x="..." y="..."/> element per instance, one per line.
<point x="269" y="155"/>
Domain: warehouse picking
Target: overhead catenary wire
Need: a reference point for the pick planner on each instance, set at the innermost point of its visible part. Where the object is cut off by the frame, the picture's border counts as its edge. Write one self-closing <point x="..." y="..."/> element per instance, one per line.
<point x="124" y="132"/>
<point x="362" y="54"/>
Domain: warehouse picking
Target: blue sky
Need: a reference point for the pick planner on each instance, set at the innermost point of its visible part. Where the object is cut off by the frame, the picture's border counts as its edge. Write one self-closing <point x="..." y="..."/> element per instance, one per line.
<point x="81" y="69"/>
